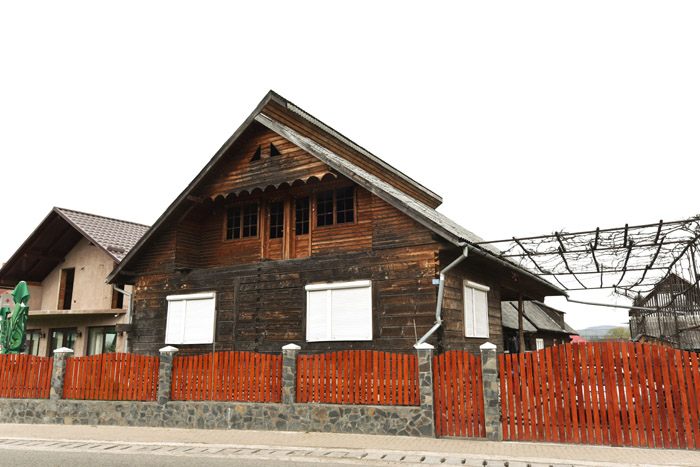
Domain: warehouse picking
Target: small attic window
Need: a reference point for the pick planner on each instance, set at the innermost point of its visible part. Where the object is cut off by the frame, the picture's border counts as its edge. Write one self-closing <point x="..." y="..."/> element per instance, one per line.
<point x="256" y="156"/>
<point x="274" y="151"/>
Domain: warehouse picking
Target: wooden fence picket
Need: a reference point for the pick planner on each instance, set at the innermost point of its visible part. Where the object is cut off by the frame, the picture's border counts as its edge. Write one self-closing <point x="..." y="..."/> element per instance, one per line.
<point x="618" y="394"/>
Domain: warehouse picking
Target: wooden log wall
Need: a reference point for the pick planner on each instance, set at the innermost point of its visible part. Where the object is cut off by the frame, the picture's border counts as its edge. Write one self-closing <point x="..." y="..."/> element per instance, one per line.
<point x="453" y="307"/>
<point x="260" y="296"/>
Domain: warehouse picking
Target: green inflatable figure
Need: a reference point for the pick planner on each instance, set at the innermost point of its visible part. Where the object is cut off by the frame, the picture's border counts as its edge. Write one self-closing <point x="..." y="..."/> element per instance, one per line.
<point x="12" y="326"/>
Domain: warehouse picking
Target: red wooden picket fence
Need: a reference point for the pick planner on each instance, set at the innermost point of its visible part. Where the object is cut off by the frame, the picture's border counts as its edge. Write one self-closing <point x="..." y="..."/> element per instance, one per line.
<point x="619" y="394"/>
<point x="228" y="376"/>
<point x="25" y="376"/>
<point x="458" y="394"/>
<point x="358" y="377"/>
<point x="112" y="376"/>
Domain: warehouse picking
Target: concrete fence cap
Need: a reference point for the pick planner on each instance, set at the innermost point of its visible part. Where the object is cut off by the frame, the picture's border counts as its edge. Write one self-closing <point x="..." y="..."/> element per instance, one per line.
<point x="291" y="347"/>
<point x="65" y="350"/>
<point x="168" y="348"/>
<point x="487" y="346"/>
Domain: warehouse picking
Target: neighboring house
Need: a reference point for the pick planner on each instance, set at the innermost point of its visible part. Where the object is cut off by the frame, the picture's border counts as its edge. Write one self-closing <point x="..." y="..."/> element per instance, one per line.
<point x="676" y="320"/>
<point x="292" y="233"/>
<point x="65" y="262"/>
<point x="543" y="326"/>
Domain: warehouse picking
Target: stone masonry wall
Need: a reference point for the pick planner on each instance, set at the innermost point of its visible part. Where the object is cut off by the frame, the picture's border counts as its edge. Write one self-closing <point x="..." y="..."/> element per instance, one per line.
<point x="285" y="416"/>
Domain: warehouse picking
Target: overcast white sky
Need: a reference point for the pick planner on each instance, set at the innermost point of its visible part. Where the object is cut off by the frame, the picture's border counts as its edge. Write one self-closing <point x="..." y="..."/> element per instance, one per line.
<point x="526" y="117"/>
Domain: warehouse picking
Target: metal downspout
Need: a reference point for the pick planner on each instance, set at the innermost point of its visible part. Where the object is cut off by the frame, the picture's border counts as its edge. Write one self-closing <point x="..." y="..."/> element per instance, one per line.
<point x="128" y="314"/>
<point x="441" y="289"/>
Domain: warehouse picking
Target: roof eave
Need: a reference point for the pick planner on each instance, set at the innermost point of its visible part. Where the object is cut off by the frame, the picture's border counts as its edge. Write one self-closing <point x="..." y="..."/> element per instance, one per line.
<point x="271" y="96"/>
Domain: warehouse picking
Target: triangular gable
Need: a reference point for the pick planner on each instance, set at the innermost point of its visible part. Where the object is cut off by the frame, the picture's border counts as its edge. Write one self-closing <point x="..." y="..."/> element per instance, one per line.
<point x="58" y="233"/>
<point x="366" y="176"/>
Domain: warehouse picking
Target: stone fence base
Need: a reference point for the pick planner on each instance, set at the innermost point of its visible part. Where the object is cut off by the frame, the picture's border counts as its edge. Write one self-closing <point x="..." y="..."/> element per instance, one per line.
<point x="360" y="419"/>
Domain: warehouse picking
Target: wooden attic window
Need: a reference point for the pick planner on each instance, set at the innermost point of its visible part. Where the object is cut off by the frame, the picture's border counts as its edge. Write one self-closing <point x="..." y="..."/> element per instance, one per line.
<point x="256" y="156"/>
<point x="274" y="151"/>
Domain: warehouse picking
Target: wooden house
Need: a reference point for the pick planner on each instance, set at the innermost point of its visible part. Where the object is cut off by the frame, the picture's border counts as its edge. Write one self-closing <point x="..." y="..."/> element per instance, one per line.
<point x="292" y="233"/>
<point x="65" y="262"/>
<point x="673" y="318"/>
<point x="543" y="326"/>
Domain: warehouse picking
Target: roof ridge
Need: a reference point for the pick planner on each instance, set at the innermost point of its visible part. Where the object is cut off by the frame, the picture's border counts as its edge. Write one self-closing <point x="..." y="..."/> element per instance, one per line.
<point x="352" y="144"/>
<point x="101" y="217"/>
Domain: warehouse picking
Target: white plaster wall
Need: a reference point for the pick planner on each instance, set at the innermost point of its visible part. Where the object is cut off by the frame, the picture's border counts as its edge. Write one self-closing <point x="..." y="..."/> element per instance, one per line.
<point x="92" y="265"/>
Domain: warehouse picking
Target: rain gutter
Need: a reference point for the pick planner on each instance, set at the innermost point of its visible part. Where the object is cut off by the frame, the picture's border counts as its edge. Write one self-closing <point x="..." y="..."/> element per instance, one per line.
<point x="441" y="290"/>
<point x="128" y="314"/>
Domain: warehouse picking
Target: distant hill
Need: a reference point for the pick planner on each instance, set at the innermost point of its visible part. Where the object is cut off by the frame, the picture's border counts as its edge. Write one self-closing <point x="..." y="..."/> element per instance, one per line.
<point x="596" y="332"/>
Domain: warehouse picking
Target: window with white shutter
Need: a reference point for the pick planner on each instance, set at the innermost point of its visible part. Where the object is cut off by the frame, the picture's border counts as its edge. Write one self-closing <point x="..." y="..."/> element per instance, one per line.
<point x="191" y="319"/>
<point x="340" y="311"/>
<point x="476" y="310"/>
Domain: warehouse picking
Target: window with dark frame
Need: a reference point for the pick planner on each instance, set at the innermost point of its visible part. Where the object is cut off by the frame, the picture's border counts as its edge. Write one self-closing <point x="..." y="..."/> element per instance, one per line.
<point x="32" y="341"/>
<point x="242" y="222"/>
<point x="102" y="339"/>
<point x="63" y="337"/>
<point x="65" y="293"/>
<point x="335" y="206"/>
<point x="344" y="205"/>
<point x="277" y="219"/>
<point x="301" y="215"/>
<point x="118" y="298"/>
<point x="324" y="208"/>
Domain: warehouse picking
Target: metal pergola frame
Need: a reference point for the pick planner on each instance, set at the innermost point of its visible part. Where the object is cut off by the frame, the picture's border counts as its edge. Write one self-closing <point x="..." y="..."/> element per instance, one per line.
<point x="630" y="260"/>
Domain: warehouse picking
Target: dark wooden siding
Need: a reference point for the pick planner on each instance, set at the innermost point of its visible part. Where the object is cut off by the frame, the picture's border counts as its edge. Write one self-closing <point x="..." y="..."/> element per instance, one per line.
<point x="453" y="333"/>
<point x="261" y="306"/>
<point x="235" y="171"/>
<point x="260" y="297"/>
<point x="280" y="114"/>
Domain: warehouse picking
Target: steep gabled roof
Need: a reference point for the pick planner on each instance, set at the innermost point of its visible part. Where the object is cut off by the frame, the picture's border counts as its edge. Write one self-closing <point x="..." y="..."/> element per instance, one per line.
<point x="114" y="236"/>
<point x="58" y="233"/>
<point x="367" y="171"/>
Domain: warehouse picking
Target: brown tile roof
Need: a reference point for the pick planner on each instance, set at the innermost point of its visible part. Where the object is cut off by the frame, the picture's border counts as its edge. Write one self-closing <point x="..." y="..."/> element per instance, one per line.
<point x="114" y="236"/>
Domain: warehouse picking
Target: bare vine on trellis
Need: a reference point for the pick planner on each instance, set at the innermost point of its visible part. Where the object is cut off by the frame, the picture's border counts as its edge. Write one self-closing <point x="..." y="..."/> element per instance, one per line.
<point x="631" y="260"/>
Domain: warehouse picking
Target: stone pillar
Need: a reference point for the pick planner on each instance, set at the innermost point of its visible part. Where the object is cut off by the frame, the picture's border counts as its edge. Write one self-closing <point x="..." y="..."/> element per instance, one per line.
<point x="58" y="373"/>
<point x="165" y="374"/>
<point x="289" y="373"/>
<point x="492" y="405"/>
<point x="425" y="388"/>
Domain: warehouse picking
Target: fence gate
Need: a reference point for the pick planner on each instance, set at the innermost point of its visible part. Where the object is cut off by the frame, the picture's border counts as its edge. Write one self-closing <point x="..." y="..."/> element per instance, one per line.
<point x="619" y="394"/>
<point x="458" y="392"/>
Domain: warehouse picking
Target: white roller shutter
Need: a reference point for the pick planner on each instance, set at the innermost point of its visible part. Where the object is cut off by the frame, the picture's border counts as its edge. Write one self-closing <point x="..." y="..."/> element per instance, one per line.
<point x="191" y="319"/>
<point x="476" y="310"/>
<point x="317" y="315"/>
<point x="339" y="311"/>
<point x="175" y="323"/>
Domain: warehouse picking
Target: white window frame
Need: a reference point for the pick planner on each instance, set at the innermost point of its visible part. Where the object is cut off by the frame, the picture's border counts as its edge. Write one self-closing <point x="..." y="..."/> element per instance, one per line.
<point x="470" y="311"/>
<point x="328" y="288"/>
<point x="176" y="329"/>
<point x="539" y="343"/>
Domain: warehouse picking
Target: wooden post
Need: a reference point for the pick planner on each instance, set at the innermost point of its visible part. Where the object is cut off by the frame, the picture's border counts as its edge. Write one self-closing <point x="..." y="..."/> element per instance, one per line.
<point x="521" y="336"/>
